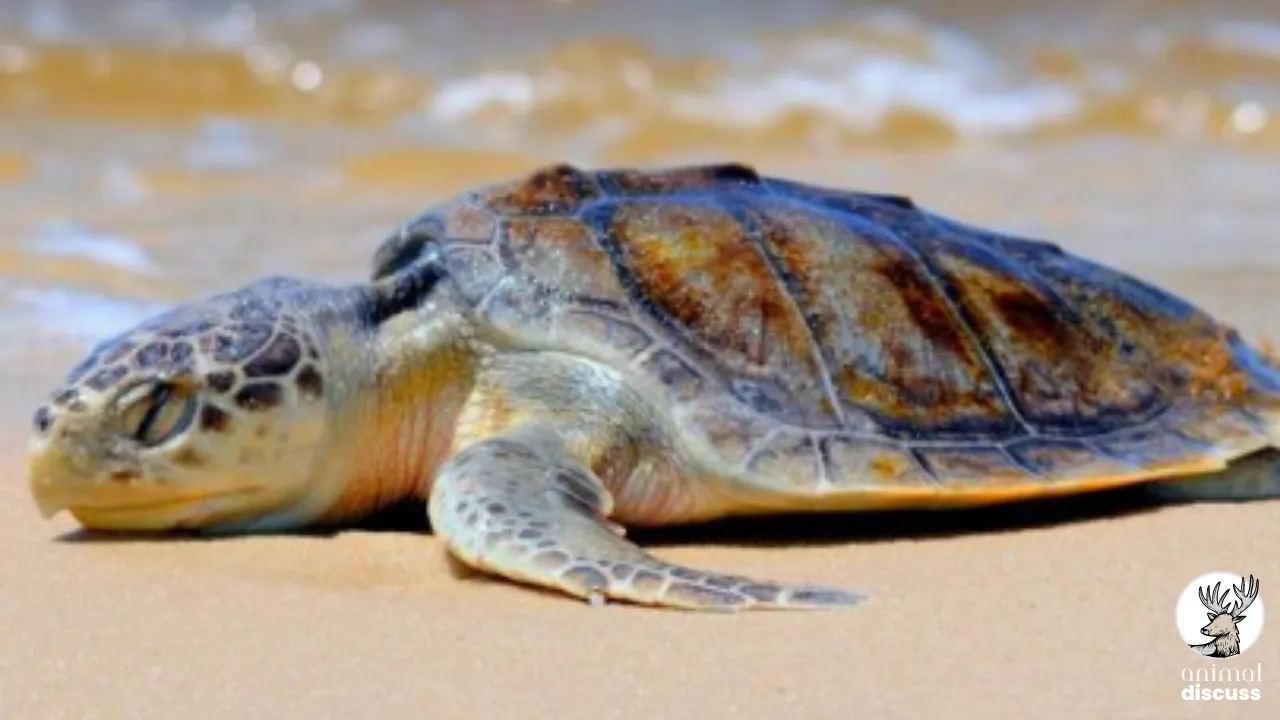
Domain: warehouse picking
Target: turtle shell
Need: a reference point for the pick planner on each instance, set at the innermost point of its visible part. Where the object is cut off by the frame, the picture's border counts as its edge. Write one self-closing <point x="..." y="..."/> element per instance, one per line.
<point x="821" y="340"/>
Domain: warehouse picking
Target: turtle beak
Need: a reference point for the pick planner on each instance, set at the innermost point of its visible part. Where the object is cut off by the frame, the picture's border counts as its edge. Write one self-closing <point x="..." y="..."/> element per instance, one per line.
<point x="61" y="466"/>
<point x="60" y="479"/>
<point x="123" y="500"/>
<point x="57" y="482"/>
<point x="46" y="473"/>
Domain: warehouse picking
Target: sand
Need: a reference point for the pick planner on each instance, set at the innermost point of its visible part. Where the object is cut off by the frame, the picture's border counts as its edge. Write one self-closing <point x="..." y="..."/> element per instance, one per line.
<point x="1066" y="620"/>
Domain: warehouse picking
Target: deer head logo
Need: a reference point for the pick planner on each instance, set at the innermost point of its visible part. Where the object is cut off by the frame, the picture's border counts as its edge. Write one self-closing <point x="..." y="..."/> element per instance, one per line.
<point x="1225" y="618"/>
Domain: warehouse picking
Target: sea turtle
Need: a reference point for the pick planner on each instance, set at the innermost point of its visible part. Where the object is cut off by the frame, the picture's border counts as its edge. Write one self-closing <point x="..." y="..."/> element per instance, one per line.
<point x="547" y="360"/>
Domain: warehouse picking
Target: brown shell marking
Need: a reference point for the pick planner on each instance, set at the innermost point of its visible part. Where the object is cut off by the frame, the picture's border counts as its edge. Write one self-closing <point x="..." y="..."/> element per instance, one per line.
<point x="1178" y="347"/>
<point x="855" y="462"/>
<point x="561" y="253"/>
<point x="1059" y="368"/>
<point x="553" y="190"/>
<point x="892" y="342"/>
<point x="700" y="272"/>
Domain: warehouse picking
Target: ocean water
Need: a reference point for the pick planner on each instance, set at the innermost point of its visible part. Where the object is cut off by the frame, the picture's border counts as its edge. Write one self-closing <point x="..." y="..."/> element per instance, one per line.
<point x="153" y="151"/>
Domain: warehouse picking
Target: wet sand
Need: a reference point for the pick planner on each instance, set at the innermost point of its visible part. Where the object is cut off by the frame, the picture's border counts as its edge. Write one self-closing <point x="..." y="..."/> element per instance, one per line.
<point x="125" y="191"/>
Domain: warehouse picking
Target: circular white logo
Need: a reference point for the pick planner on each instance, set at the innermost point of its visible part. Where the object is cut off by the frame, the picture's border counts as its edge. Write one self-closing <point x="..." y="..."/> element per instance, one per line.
<point x="1220" y="614"/>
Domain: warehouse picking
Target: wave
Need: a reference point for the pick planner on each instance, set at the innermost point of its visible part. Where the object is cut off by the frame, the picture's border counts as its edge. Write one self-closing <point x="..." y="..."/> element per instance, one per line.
<point x="883" y="77"/>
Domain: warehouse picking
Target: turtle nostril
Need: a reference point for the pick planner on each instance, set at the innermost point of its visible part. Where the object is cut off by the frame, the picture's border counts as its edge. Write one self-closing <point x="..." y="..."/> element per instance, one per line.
<point x="43" y="420"/>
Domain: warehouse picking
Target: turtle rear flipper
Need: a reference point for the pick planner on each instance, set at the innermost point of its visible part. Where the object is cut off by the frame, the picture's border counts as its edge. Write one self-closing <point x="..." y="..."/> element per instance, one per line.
<point x="1254" y="477"/>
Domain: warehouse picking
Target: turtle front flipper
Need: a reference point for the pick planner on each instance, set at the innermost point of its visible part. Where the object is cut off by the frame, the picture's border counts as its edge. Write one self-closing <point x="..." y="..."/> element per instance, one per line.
<point x="513" y="505"/>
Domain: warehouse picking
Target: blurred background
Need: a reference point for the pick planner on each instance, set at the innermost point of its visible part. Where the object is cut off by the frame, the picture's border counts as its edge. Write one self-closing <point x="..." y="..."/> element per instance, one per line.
<point x="151" y="151"/>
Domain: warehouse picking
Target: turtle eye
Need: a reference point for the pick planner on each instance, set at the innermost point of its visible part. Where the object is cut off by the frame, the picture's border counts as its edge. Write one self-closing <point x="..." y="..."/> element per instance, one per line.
<point x="160" y="413"/>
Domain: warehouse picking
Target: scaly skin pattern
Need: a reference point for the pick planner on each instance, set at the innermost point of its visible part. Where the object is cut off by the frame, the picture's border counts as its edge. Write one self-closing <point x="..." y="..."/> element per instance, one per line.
<point x="548" y="361"/>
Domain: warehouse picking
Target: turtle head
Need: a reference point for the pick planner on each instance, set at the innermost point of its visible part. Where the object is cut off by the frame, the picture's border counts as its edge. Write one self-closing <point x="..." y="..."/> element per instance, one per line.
<point x="208" y="415"/>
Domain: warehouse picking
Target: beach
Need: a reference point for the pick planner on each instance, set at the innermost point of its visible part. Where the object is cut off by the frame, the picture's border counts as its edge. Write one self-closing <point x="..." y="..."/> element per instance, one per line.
<point x="166" y="152"/>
